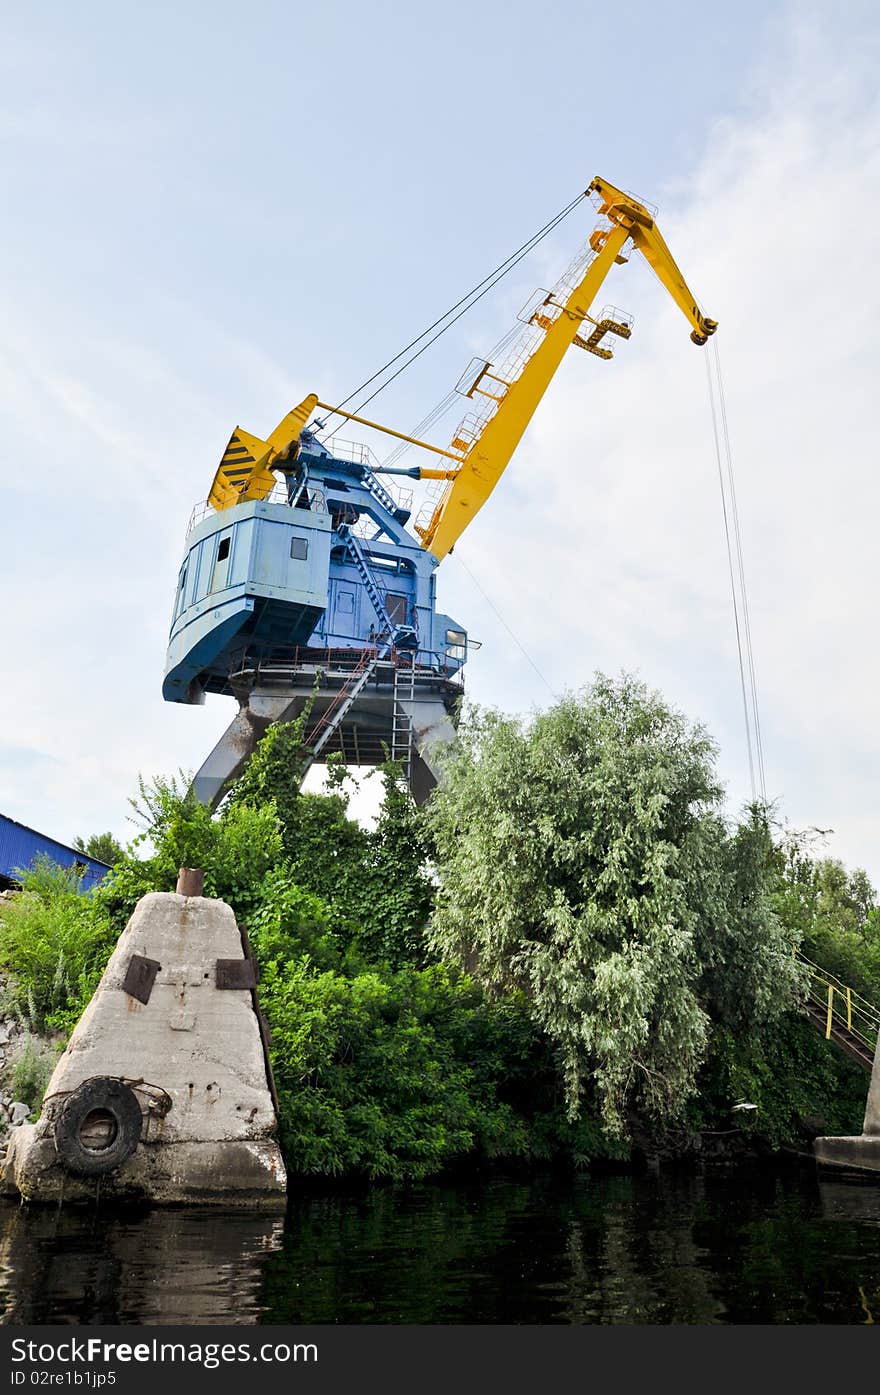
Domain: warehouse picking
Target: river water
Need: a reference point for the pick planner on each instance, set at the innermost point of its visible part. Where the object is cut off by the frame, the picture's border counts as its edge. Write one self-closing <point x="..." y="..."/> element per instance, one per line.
<point x="731" y="1247"/>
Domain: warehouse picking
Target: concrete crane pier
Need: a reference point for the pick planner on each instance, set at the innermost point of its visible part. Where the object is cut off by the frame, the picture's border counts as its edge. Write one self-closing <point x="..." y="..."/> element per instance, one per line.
<point x="164" y="1092"/>
<point x="861" y="1152"/>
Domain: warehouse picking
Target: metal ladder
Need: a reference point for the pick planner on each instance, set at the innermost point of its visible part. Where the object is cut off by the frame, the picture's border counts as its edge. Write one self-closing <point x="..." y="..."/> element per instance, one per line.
<point x="382" y="496"/>
<point x="401" y="721"/>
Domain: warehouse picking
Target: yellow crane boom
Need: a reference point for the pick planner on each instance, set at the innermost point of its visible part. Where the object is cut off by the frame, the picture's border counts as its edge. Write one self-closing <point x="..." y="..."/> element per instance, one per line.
<point x="489" y="453"/>
<point x="483" y="445"/>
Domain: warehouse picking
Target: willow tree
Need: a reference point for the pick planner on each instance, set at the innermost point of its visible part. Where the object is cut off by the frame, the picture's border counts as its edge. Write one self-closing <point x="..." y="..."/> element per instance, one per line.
<point x="584" y="863"/>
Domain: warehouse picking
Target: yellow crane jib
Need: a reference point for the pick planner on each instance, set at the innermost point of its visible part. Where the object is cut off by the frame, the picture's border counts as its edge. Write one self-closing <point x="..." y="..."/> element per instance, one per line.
<point x="511" y="395"/>
<point x="623" y="210"/>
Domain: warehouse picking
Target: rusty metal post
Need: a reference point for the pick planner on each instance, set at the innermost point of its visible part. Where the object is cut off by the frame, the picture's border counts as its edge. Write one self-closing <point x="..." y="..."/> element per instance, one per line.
<point x="190" y="881"/>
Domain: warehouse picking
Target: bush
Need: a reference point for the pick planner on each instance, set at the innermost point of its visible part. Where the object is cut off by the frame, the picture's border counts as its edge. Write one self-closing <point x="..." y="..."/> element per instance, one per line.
<point x="54" y="943"/>
<point x="398" y="1073"/>
<point x="31" y="1071"/>
<point x="617" y="958"/>
<point x="374" y="880"/>
<point x="235" y="850"/>
<point x="790" y="1073"/>
<point x="386" y="1076"/>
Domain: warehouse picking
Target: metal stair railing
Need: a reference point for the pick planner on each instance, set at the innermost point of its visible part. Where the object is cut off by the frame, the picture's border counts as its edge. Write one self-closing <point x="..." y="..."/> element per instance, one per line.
<point x="381" y="494"/>
<point x="356" y="552"/>
<point x="403" y="634"/>
<point x="842" y="1014"/>
<point x="344" y="699"/>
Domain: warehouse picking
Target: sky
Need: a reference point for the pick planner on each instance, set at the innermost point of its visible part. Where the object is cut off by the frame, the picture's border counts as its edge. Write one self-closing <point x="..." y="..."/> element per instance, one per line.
<point x="212" y="210"/>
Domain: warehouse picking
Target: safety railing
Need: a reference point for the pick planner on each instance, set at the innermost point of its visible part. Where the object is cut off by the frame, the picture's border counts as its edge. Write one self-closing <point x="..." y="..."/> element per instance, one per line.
<point x="844" y="1009"/>
<point x="355" y="451"/>
<point x="285" y="666"/>
<point x="278" y="495"/>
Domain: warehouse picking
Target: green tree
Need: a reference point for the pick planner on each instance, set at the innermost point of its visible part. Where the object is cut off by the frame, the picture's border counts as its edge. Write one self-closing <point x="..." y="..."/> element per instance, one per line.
<point x="102" y="846"/>
<point x="374" y="881"/>
<point x="831" y="911"/>
<point x="324" y="848"/>
<point x="583" y="862"/>
<point x="235" y="849"/>
<point x="392" y="898"/>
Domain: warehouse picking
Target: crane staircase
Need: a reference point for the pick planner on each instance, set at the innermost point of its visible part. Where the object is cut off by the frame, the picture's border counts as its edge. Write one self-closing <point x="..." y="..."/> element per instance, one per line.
<point x="841" y="1014"/>
<point x="343" y="701"/>
<point x="397" y="634"/>
<point x="404" y="674"/>
<point x="403" y="698"/>
<point x="384" y="497"/>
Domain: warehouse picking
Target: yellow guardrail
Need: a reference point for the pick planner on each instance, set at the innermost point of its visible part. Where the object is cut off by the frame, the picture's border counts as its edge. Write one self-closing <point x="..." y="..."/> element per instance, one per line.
<point x="844" y="1008"/>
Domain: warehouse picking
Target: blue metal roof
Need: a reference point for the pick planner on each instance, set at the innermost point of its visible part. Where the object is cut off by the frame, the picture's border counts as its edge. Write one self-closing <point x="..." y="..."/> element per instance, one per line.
<point x="19" y="845"/>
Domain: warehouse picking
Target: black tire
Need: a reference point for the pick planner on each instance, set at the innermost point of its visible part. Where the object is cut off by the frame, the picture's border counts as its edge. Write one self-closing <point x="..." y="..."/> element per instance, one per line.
<point x="94" y="1147"/>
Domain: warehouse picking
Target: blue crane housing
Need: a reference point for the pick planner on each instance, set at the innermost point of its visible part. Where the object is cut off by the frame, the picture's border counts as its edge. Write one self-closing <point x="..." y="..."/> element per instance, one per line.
<point x="303" y="596"/>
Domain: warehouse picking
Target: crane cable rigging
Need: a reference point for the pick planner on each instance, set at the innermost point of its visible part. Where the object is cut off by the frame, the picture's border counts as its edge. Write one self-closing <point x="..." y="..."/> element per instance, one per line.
<point x="730" y="511"/>
<point x="736" y="571"/>
<point x="738" y="588"/>
<point x="459" y="309"/>
<point x="462" y="306"/>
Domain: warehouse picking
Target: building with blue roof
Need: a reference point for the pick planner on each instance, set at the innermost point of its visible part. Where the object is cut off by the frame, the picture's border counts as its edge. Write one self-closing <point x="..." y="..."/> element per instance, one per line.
<point x="20" y="845"/>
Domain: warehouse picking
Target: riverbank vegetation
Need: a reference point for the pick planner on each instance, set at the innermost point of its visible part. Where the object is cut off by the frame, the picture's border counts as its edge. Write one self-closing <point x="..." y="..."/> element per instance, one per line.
<point x="569" y="954"/>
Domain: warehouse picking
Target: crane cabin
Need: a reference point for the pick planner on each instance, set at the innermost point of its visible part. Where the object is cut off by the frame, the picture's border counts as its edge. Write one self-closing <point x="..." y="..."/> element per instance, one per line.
<point x="324" y="562"/>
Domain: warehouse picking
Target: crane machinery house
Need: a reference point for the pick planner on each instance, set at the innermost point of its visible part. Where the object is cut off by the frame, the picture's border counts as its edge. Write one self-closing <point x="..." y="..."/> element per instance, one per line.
<point x="303" y="588"/>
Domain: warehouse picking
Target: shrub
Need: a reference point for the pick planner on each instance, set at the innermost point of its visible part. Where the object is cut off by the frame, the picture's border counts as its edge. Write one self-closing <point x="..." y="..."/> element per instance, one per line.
<point x="386" y="1076"/>
<point x="374" y="880"/>
<point x="31" y="1071"/>
<point x="789" y="1072"/>
<point x="54" y="942"/>
<point x="235" y="849"/>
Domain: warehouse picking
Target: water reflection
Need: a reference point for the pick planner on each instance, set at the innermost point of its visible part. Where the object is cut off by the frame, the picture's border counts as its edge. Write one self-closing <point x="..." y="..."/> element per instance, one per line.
<point x="160" y="1267"/>
<point x="850" y="1200"/>
<point x="731" y="1247"/>
<point x="728" y="1248"/>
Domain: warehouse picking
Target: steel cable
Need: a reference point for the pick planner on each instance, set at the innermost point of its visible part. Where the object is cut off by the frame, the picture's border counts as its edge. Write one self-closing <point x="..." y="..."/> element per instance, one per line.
<point x="467" y="302"/>
<point x="736" y="570"/>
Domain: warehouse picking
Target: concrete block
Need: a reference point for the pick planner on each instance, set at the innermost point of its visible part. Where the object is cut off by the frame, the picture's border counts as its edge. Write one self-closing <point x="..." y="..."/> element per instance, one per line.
<point x="858" y="1153"/>
<point x="193" y="1057"/>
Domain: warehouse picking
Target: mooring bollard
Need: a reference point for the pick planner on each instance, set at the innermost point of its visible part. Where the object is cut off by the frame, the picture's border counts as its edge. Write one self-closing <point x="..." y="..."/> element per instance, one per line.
<point x="190" y="881"/>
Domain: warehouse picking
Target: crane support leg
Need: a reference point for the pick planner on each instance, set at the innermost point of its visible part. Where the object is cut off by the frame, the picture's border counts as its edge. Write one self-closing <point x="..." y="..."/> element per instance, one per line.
<point x="237" y="744"/>
<point x="432" y="729"/>
<point x="426" y="715"/>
